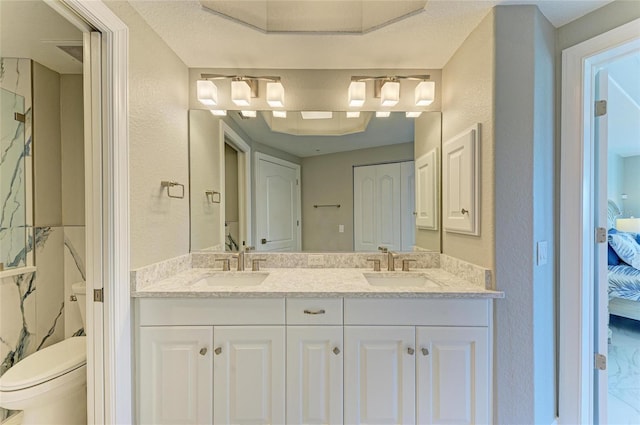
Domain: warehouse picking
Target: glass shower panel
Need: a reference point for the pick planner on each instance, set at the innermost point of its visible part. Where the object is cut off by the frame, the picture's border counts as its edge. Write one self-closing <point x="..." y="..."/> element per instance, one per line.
<point x="13" y="223"/>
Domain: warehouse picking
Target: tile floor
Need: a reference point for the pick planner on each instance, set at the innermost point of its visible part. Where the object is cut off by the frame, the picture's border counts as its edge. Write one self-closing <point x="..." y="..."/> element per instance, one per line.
<point x="624" y="372"/>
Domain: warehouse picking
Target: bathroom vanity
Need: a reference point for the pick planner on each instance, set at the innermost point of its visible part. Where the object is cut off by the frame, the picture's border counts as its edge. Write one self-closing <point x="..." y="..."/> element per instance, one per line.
<point x="340" y="345"/>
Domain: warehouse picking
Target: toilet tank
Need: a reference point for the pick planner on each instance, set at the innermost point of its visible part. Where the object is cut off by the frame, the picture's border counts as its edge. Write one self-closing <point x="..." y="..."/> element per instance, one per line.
<point x="80" y="291"/>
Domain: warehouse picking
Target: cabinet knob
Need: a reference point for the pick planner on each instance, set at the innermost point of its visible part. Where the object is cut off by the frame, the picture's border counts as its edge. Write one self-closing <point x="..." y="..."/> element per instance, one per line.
<point x="313" y="312"/>
<point x="410" y="351"/>
<point x="203" y="351"/>
<point x="218" y="351"/>
<point x="336" y="351"/>
<point x="425" y="352"/>
<point x="463" y="211"/>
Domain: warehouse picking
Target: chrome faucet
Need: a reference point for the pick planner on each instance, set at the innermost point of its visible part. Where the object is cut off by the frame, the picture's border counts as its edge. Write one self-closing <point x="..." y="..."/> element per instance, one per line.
<point x="240" y="257"/>
<point x="391" y="264"/>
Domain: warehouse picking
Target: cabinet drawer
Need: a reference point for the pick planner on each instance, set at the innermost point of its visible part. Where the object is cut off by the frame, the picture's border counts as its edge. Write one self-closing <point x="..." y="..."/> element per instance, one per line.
<point x="314" y="311"/>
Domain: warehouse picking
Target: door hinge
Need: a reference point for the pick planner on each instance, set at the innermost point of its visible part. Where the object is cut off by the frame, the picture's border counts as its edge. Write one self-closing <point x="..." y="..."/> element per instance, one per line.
<point x="297" y="183"/>
<point x="19" y="117"/>
<point x="601" y="235"/>
<point x="600" y="361"/>
<point x="298" y="222"/>
<point x="98" y="295"/>
<point x="601" y="108"/>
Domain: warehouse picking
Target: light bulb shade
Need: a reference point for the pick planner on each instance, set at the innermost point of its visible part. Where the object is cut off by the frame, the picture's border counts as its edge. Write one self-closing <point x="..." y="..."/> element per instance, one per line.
<point x="353" y="114"/>
<point x="249" y="114"/>
<point x="275" y="95"/>
<point x="383" y="114"/>
<point x="241" y="93"/>
<point x="357" y="90"/>
<point x="207" y="92"/>
<point x="316" y="115"/>
<point x="279" y="114"/>
<point x="390" y="93"/>
<point x="628" y="225"/>
<point x="219" y="112"/>
<point x="413" y="114"/>
<point x="425" y="93"/>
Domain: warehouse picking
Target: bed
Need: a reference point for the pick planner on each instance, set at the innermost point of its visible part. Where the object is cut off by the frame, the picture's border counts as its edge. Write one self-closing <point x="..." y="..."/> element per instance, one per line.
<point x="624" y="281"/>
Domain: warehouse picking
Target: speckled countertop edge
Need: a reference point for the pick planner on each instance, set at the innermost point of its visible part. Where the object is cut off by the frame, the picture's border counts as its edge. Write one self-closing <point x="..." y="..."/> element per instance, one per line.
<point x="304" y="282"/>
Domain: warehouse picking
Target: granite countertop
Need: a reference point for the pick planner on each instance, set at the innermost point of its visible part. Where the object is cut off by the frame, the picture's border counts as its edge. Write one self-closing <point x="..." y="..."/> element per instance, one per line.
<point x="312" y="282"/>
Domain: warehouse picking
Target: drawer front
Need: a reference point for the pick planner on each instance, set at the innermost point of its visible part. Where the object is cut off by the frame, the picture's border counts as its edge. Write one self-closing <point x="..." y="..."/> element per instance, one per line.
<point x="199" y="311"/>
<point x="314" y="311"/>
<point x="416" y="312"/>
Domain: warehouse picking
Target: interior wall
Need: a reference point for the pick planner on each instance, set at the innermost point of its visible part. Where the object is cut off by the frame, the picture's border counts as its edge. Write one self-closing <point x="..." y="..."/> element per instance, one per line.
<point x="328" y="179"/>
<point x="467" y="98"/>
<point x="428" y="134"/>
<point x="631" y="186"/>
<point x="615" y="178"/>
<point x="158" y="143"/>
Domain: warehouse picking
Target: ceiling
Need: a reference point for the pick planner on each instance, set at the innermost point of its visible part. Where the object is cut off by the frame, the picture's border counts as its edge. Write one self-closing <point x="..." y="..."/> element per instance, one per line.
<point x="423" y="40"/>
<point x="38" y="40"/>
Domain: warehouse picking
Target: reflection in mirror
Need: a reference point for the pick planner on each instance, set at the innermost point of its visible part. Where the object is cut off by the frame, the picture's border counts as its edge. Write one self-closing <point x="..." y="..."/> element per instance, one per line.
<point x="334" y="184"/>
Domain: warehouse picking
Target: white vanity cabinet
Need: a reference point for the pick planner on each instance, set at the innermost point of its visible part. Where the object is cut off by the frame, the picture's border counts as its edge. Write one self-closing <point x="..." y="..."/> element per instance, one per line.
<point x="276" y="361"/>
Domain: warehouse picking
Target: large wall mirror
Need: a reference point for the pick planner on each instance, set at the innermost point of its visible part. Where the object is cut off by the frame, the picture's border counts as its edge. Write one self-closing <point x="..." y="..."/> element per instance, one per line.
<point x="316" y="183"/>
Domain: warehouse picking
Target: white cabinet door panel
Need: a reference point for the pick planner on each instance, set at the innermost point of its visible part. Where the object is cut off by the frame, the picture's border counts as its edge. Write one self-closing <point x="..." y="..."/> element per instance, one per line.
<point x="460" y="183"/>
<point x="427" y="190"/>
<point x="379" y="375"/>
<point x="453" y="375"/>
<point x="314" y="375"/>
<point x="249" y="375"/>
<point x="175" y="376"/>
<point x="408" y="205"/>
<point x="364" y="209"/>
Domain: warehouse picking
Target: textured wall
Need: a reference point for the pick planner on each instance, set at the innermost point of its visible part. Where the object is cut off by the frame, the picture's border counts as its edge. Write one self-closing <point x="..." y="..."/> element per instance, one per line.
<point x="467" y="98"/>
<point x="328" y="179"/>
<point x="158" y="149"/>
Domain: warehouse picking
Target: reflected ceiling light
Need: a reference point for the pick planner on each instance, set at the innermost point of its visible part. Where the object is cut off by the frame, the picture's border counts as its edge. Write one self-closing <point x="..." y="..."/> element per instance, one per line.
<point x="425" y="93"/>
<point x="207" y="92"/>
<point x="249" y="114"/>
<point x="357" y="91"/>
<point x="353" y="114"/>
<point x="279" y="114"/>
<point x="317" y="115"/>
<point x="241" y="92"/>
<point x="383" y="114"/>
<point x="390" y="93"/>
<point x="219" y="112"/>
<point x="275" y="94"/>
<point x="413" y="114"/>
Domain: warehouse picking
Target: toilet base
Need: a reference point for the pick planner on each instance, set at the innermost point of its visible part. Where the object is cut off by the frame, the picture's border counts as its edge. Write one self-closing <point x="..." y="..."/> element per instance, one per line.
<point x="71" y="409"/>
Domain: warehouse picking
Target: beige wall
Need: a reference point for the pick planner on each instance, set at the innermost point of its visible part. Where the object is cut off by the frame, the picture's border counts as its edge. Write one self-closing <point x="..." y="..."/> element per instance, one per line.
<point x="72" y="131"/>
<point x="158" y="149"/>
<point x="467" y="98"/>
<point x="230" y="183"/>
<point x="428" y="131"/>
<point x="328" y="179"/>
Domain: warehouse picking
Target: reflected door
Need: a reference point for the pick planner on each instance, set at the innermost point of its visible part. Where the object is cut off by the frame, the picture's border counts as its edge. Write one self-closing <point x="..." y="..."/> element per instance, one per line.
<point x="277" y="204"/>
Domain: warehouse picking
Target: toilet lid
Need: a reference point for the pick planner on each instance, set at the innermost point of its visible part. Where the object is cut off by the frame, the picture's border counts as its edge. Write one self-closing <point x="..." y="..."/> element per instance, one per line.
<point x="46" y="364"/>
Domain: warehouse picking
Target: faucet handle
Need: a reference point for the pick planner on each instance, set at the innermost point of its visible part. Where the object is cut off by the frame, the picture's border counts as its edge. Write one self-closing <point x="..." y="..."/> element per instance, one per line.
<point x="383" y="249"/>
<point x="255" y="264"/>
<point x="249" y="248"/>
<point x="376" y="264"/>
<point x="225" y="264"/>
<point x="405" y="264"/>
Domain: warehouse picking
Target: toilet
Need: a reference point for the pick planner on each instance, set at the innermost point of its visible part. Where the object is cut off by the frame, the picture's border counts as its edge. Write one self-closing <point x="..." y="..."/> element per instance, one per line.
<point x="50" y="385"/>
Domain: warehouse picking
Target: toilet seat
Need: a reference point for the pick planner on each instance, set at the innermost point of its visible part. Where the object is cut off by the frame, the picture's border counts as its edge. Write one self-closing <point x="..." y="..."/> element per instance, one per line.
<point x="46" y="365"/>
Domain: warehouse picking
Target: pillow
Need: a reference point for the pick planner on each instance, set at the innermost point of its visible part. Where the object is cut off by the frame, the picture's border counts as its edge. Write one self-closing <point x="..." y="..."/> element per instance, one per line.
<point x="612" y="257"/>
<point x="627" y="248"/>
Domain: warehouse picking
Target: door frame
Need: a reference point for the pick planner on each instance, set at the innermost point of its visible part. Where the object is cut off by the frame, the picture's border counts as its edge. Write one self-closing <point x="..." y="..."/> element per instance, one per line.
<point x="244" y="184"/>
<point x="577" y="221"/>
<point x="263" y="156"/>
<point x="109" y="350"/>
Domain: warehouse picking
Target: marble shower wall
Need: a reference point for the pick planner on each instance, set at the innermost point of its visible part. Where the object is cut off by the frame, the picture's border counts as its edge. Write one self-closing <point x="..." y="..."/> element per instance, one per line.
<point x="35" y="307"/>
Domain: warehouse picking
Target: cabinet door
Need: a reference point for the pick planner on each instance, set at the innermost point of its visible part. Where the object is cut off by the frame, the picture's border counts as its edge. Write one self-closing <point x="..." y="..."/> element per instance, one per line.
<point x="453" y="375"/>
<point x="249" y="375"/>
<point x="175" y="375"/>
<point x="379" y="375"/>
<point x="427" y="190"/>
<point x="314" y="375"/>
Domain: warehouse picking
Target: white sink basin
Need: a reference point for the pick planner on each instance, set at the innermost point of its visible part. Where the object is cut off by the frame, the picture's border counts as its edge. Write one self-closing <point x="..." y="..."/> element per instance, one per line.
<point x="233" y="279"/>
<point x="397" y="280"/>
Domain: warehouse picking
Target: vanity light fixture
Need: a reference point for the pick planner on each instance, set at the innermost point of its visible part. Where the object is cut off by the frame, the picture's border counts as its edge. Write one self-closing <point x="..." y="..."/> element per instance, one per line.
<point x="390" y="93"/>
<point x="383" y="114"/>
<point x="279" y="114"/>
<point x="207" y="92"/>
<point x="353" y="114"/>
<point x="248" y="114"/>
<point x="425" y="93"/>
<point x="413" y="114"/>
<point x="219" y="112"/>
<point x="357" y="90"/>
<point x="244" y="88"/>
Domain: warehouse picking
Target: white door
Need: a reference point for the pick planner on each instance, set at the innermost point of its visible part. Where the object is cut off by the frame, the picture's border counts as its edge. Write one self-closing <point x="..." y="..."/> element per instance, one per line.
<point x="249" y="375"/>
<point x="379" y="375"/>
<point x="277" y="204"/>
<point x="175" y="375"/>
<point x="377" y="206"/>
<point x="407" y="205"/>
<point x="314" y="375"/>
<point x="426" y="171"/>
<point x="452" y="375"/>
